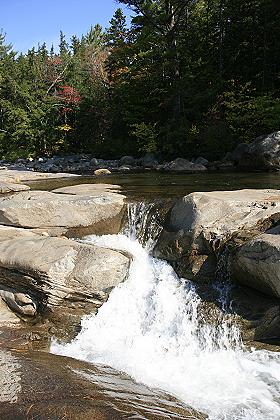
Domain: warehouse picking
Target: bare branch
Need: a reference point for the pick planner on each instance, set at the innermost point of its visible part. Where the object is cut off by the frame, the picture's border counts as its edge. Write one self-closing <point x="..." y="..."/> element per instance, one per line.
<point x="58" y="77"/>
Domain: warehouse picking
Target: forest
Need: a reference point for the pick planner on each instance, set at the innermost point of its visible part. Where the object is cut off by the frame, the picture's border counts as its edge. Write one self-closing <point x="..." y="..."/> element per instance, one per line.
<point x="181" y="78"/>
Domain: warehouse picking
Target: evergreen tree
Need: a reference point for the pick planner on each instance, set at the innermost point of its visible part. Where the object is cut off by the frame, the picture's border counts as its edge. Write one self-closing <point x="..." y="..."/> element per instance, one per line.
<point x="187" y="77"/>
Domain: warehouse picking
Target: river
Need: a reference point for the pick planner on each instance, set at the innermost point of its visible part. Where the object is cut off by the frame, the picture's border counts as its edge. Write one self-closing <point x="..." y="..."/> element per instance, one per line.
<point x="148" y="353"/>
<point x="151" y="329"/>
<point x="151" y="185"/>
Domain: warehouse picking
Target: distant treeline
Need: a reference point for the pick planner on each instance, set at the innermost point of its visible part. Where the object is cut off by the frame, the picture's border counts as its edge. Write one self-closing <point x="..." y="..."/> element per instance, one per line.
<point x="185" y="78"/>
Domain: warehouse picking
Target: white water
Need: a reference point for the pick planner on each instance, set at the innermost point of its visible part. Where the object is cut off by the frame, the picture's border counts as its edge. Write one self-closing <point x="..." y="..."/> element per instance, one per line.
<point x="150" y="329"/>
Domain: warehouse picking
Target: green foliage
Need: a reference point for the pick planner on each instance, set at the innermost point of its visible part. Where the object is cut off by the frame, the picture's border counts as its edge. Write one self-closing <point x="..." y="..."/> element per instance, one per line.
<point x="247" y="114"/>
<point x="186" y="78"/>
<point x="146" y="135"/>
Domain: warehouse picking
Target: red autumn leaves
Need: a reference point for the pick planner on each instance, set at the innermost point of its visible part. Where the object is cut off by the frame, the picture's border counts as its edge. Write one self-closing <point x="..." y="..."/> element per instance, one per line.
<point x="70" y="97"/>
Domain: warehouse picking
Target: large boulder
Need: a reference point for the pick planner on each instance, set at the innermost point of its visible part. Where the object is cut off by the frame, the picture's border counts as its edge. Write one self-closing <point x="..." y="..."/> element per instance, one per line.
<point x="127" y="160"/>
<point x="102" y="171"/>
<point x="200" y="224"/>
<point x="39" y="272"/>
<point x="183" y="165"/>
<point x="262" y="154"/>
<point x="71" y="215"/>
<point x="256" y="264"/>
<point x="200" y="234"/>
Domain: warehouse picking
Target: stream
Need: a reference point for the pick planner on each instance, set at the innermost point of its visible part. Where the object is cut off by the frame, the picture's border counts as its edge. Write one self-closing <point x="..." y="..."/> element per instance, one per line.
<point x="151" y="329"/>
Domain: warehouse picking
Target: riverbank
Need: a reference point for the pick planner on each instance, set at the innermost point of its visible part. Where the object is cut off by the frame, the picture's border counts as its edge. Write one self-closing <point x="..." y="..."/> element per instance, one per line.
<point x="260" y="155"/>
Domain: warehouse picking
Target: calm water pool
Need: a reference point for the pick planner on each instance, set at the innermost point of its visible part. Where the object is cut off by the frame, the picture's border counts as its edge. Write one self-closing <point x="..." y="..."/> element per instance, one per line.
<point x="151" y="185"/>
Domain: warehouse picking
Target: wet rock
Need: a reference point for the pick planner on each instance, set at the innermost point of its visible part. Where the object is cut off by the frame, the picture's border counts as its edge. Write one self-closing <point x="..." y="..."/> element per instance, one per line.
<point x="256" y="264"/>
<point x="221" y="165"/>
<point x="200" y="224"/>
<point x="38" y="272"/>
<point x="257" y="314"/>
<point x="46" y="386"/>
<point x="64" y="213"/>
<point x="88" y="189"/>
<point x="183" y="165"/>
<point x="262" y="154"/>
<point x="100" y="172"/>
<point x="7" y="317"/>
<point x="20" y="303"/>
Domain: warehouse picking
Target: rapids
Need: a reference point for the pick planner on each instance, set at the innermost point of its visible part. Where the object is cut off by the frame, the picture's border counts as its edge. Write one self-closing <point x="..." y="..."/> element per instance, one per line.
<point x="150" y="328"/>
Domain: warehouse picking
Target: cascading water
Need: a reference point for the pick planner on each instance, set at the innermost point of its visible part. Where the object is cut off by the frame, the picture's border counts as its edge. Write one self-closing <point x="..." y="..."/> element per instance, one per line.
<point x="150" y="328"/>
<point x="143" y="224"/>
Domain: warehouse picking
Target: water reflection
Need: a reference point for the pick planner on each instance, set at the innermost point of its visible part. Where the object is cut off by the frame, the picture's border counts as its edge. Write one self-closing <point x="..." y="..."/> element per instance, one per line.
<point x="153" y="185"/>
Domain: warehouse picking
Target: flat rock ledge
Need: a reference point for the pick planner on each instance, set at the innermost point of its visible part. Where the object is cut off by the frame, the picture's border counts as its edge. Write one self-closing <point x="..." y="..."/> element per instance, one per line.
<point x="64" y="214"/>
<point x="9" y="187"/>
<point x="22" y="175"/>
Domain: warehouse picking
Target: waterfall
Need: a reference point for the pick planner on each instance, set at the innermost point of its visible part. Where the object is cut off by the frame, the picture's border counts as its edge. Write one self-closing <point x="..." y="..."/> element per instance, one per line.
<point x="143" y="224"/>
<point x="223" y="284"/>
<point x="151" y="328"/>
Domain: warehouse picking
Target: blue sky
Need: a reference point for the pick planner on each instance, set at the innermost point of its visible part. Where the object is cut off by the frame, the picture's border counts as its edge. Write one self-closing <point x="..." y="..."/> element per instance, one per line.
<point x="27" y="22"/>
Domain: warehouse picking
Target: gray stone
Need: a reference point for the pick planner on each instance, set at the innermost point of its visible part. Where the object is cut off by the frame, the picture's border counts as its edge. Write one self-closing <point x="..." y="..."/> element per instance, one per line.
<point x="183" y="165"/>
<point x="55" y="271"/>
<point x="16" y="176"/>
<point x="262" y="154"/>
<point x="7" y="187"/>
<point x="256" y="264"/>
<point x="66" y="214"/>
<point x="20" y="303"/>
<point x="238" y="152"/>
<point x="149" y="161"/>
<point x="225" y="166"/>
<point x="7" y="317"/>
<point x="201" y="161"/>
<point x="125" y="168"/>
<point x="127" y="161"/>
<point x="94" y="163"/>
<point x="199" y="224"/>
